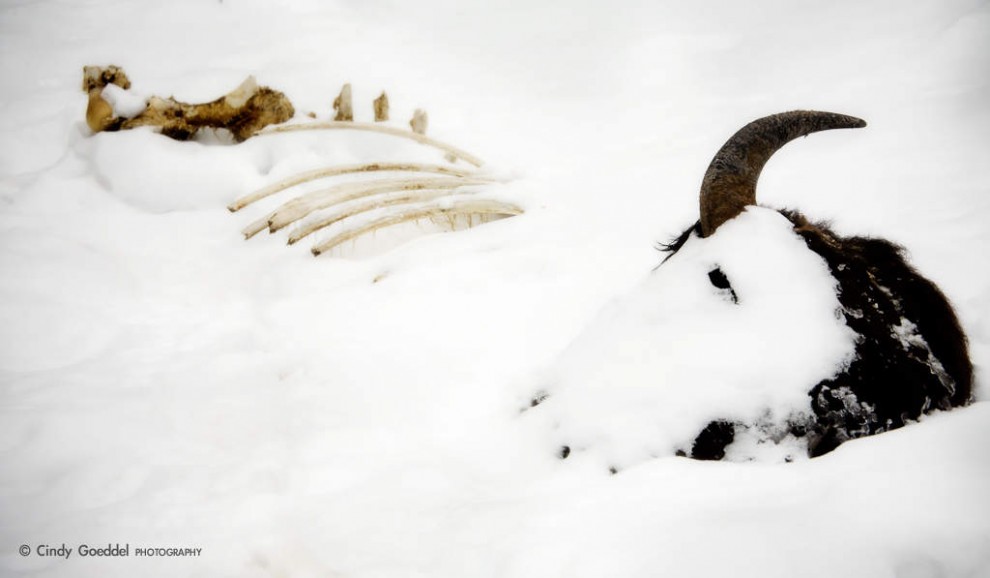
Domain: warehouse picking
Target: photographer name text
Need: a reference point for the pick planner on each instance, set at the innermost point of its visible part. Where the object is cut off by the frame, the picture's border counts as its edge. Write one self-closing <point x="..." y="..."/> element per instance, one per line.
<point x="107" y="551"/>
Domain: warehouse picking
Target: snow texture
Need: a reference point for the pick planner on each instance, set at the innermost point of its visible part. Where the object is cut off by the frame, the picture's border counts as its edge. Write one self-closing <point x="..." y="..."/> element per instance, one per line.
<point x="661" y="363"/>
<point x="164" y="383"/>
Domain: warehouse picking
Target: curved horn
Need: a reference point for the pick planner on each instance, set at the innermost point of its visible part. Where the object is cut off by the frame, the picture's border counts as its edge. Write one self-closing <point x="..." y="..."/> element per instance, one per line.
<point x="730" y="183"/>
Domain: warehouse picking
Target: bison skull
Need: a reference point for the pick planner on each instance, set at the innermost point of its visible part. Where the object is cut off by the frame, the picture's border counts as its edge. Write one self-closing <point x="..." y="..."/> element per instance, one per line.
<point x="761" y="333"/>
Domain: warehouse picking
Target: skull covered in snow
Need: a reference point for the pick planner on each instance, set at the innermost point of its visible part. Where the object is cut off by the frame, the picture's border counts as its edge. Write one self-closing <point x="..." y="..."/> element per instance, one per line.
<point x="762" y="334"/>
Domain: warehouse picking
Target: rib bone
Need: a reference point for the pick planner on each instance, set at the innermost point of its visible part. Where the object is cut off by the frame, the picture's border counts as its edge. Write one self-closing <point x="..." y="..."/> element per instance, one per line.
<point x="445" y="207"/>
<point x="396" y="200"/>
<point x="307" y="204"/>
<point x="341" y="170"/>
<point x="408" y="195"/>
<point x="299" y="207"/>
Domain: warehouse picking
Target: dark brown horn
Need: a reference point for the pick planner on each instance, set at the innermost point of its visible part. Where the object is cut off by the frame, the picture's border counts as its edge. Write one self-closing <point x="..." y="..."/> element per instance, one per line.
<point x="730" y="183"/>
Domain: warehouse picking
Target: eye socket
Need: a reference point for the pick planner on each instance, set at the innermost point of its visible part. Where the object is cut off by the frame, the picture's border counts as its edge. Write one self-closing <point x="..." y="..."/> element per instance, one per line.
<point x="718" y="279"/>
<point x="721" y="282"/>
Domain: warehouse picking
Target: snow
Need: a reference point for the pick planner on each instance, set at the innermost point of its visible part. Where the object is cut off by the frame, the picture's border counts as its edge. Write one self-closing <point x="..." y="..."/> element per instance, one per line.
<point x="165" y="383"/>
<point x="662" y="362"/>
<point x="125" y="103"/>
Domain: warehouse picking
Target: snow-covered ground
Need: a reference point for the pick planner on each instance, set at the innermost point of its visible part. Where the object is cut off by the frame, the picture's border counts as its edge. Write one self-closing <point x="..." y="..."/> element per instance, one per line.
<point x="164" y="383"/>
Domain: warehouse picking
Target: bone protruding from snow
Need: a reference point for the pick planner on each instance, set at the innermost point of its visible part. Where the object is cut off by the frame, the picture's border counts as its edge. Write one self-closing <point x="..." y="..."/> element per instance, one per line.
<point x="300" y="207"/>
<point x="420" y="121"/>
<point x="370" y="205"/>
<point x="96" y="77"/>
<point x="344" y="105"/>
<point x="381" y="128"/>
<point x="99" y="112"/>
<point x="244" y="111"/>
<point x="414" y="190"/>
<point x="317" y="200"/>
<point x="381" y="108"/>
<point x="327" y="172"/>
<point x="443" y="207"/>
<point x="259" y="107"/>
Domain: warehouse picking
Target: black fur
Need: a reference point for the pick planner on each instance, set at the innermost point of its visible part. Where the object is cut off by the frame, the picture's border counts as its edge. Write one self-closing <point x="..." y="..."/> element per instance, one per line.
<point x="911" y="353"/>
<point x="712" y="441"/>
<point x="675" y="244"/>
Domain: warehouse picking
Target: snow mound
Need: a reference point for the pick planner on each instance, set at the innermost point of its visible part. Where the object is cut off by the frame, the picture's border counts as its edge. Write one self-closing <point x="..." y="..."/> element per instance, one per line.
<point x="662" y="362"/>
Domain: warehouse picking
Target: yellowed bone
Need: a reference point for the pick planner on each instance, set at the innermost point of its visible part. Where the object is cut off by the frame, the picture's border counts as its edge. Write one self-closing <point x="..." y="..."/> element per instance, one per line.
<point x="96" y="77"/>
<point x="342" y="170"/>
<point x="381" y="107"/>
<point x="99" y="113"/>
<point x="299" y="207"/>
<point x="343" y="105"/>
<point x="420" y="138"/>
<point x="243" y="111"/>
<point x="369" y="205"/>
<point x="302" y="206"/>
<point x="443" y="207"/>
<point x="410" y="194"/>
<point x="420" y="121"/>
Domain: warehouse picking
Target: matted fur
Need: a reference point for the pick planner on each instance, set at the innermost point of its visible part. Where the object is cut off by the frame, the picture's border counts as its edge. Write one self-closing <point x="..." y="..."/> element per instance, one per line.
<point x="911" y="354"/>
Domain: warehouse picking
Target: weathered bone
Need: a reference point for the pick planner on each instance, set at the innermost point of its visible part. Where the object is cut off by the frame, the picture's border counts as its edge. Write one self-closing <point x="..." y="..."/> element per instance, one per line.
<point x="249" y="109"/>
<point x="300" y="207"/>
<point x="96" y="77"/>
<point x="244" y="111"/>
<point x="99" y="112"/>
<point x="343" y="105"/>
<point x="379" y="202"/>
<point x="317" y="200"/>
<point x="443" y="207"/>
<point x="384" y="129"/>
<point x="412" y="192"/>
<point x="419" y="121"/>
<point x="342" y="170"/>
<point x="403" y="199"/>
<point x="381" y="108"/>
